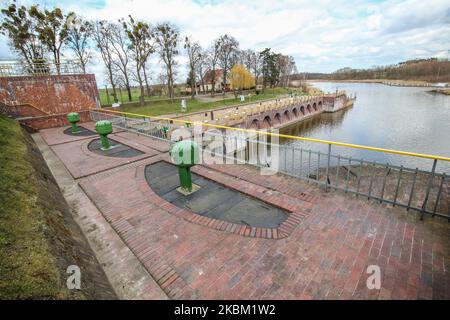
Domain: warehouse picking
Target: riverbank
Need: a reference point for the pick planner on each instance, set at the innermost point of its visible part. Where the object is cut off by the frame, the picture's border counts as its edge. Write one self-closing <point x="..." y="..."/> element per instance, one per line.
<point x="441" y="91"/>
<point x="390" y="82"/>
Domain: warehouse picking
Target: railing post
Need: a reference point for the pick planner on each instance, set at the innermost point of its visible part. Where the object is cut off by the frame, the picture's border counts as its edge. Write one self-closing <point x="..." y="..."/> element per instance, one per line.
<point x="430" y="181"/>
<point x="328" y="167"/>
<point x="439" y="194"/>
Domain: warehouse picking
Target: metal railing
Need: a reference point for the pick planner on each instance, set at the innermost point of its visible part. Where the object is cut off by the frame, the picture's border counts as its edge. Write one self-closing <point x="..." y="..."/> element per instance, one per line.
<point x="416" y="189"/>
<point x="23" y="68"/>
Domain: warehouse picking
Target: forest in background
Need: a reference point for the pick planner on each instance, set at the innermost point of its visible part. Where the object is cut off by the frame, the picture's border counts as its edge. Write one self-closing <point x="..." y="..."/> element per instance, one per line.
<point x="432" y="70"/>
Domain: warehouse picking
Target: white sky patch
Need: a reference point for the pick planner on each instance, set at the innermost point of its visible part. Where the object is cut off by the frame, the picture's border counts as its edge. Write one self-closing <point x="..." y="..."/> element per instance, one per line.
<point x="322" y="35"/>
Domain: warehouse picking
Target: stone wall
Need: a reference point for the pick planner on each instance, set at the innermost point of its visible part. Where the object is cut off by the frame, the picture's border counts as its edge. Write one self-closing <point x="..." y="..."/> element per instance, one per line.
<point x="50" y="94"/>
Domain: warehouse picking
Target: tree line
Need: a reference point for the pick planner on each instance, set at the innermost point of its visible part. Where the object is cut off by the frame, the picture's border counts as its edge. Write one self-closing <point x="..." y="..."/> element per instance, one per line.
<point x="125" y="46"/>
<point x="432" y="70"/>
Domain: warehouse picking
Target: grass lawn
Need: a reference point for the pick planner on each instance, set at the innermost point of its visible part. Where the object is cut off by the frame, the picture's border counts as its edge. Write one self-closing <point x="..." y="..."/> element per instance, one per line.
<point x="135" y="93"/>
<point x="158" y="108"/>
<point x="27" y="267"/>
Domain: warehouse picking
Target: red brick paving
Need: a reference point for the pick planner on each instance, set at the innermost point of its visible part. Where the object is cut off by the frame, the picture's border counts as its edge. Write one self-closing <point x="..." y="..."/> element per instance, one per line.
<point x="325" y="256"/>
<point x="81" y="162"/>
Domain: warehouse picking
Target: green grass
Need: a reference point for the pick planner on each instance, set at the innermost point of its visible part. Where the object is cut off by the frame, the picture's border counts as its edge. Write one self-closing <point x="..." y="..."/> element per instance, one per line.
<point x="135" y="93"/>
<point x="27" y="267"/>
<point x="158" y="108"/>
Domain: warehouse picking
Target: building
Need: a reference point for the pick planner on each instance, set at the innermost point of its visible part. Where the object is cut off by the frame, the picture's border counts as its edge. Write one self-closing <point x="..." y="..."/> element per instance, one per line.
<point x="208" y="81"/>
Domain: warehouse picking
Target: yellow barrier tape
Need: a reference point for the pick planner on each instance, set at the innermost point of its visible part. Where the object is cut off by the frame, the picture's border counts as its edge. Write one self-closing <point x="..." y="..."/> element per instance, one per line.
<point x="336" y="143"/>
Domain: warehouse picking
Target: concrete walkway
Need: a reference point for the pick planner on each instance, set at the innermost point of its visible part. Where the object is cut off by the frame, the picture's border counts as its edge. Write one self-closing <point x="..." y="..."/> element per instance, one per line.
<point x="322" y="252"/>
<point x="129" y="279"/>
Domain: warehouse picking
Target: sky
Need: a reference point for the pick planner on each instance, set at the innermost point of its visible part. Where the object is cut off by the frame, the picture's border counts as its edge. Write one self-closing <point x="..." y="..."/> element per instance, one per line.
<point x="322" y="35"/>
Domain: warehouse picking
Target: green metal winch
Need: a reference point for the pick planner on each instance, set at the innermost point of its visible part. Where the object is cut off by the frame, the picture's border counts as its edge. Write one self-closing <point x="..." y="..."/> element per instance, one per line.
<point x="73" y="118"/>
<point x="103" y="128"/>
<point x="185" y="154"/>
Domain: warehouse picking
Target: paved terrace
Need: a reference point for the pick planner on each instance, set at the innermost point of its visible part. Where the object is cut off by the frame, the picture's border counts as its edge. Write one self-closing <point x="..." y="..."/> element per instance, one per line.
<point x="321" y="251"/>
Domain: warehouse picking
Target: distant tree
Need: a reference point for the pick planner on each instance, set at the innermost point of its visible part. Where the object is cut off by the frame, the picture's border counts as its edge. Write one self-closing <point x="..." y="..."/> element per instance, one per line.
<point x="286" y="66"/>
<point x="79" y="33"/>
<point x="254" y="64"/>
<point x="270" y="71"/>
<point x="52" y="29"/>
<point x="120" y="47"/>
<point x="212" y="61"/>
<point x="166" y="37"/>
<point x="241" y="78"/>
<point x="103" y="39"/>
<point x="20" y="28"/>
<point x="201" y="68"/>
<point x="141" y="38"/>
<point x="194" y="52"/>
<point x="228" y="49"/>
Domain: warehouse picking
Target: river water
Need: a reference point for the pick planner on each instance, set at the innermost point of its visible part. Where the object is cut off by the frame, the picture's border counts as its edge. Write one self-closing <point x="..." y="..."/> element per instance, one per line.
<point x="401" y="118"/>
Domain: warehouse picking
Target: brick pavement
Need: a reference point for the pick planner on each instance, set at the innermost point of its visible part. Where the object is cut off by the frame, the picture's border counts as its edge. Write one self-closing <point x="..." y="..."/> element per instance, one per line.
<point x="324" y="256"/>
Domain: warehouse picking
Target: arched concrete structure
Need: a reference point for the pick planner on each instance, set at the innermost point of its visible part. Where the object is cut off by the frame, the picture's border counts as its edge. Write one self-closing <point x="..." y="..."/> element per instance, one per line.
<point x="286" y="116"/>
<point x="277" y="119"/>
<point x="255" y="124"/>
<point x="267" y="123"/>
<point x="302" y="110"/>
<point x="285" y="113"/>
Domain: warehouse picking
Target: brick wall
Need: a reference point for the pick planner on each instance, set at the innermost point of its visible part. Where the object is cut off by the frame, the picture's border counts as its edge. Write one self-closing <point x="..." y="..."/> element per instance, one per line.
<point x="51" y="94"/>
<point x="51" y="121"/>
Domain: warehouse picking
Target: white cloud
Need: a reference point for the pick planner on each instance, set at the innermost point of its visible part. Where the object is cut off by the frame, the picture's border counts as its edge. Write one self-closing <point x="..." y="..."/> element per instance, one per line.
<point x="322" y="35"/>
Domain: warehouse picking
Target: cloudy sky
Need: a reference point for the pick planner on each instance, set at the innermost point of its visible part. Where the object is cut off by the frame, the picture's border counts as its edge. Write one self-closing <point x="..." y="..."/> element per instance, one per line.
<point x="322" y="35"/>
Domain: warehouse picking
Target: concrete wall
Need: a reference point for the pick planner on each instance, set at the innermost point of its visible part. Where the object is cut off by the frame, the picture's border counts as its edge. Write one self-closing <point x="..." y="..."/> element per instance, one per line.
<point x="50" y="94"/>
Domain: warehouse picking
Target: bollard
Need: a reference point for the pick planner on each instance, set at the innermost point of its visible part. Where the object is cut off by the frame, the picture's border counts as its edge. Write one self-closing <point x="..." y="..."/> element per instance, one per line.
<point x="73" y="118"/>
<point x="103" y="128"/>
<point x="185" y="154"/>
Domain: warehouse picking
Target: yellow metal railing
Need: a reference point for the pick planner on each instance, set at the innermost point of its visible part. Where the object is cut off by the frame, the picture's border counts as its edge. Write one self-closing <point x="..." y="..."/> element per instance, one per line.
<point x="328" y="142"/>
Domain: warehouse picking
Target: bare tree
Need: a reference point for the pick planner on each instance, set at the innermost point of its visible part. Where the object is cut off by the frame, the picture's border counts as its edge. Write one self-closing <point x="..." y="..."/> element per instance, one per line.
<point x="201" y="68"/>
<point x="102" y="36"/>
<point x="166" y="36"/>
<point x="141" y="45"/>
<point x="79" y="33"/>
<point x="194" y="52"/>
<point x="121" y="50"/>
<point x="212" y="61"/>
<point x="227" y="55"/>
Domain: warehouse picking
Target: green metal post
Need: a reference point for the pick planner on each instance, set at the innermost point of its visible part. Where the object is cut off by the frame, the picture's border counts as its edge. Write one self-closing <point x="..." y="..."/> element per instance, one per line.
<point x="103" y="128"/>
<point x="105" y="142"/>
<point x="185" y="178"/>
<point x="73" y="118"/>
<point x="75" y="128"/>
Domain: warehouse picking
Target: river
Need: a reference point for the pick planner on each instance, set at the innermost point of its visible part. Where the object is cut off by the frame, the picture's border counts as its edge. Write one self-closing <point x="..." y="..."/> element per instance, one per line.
<point x="401" y="118"/>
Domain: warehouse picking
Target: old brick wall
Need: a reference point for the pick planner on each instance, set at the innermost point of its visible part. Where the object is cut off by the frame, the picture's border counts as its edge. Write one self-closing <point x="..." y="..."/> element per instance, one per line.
<point x="52" y="121"/>
<point x="51" y="94"/>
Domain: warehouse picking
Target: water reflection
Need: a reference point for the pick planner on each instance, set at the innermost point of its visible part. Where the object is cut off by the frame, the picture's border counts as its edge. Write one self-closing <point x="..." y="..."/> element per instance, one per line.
<point x="401" y="118"/>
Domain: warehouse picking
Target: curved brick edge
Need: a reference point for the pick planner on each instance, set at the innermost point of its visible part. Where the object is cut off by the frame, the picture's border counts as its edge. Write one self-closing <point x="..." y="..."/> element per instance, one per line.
<point x="284" y="230"/>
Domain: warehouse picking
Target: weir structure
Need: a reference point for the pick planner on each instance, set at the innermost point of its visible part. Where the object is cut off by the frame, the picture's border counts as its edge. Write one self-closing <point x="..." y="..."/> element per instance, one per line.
<point x="274" y="113"/>
<point x="424" y="189"/>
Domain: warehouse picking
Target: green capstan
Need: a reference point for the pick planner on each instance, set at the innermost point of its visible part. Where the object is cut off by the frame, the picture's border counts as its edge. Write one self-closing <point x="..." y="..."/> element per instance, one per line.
<point x="73" y="118"/>
<point x="103" y="128"/>
<point x="185" y="154"/>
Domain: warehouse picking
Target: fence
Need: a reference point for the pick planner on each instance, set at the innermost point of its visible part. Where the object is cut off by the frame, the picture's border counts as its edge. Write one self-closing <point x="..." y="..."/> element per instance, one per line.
<point x="22" y="68"/>
<point x="426" y="191"/>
